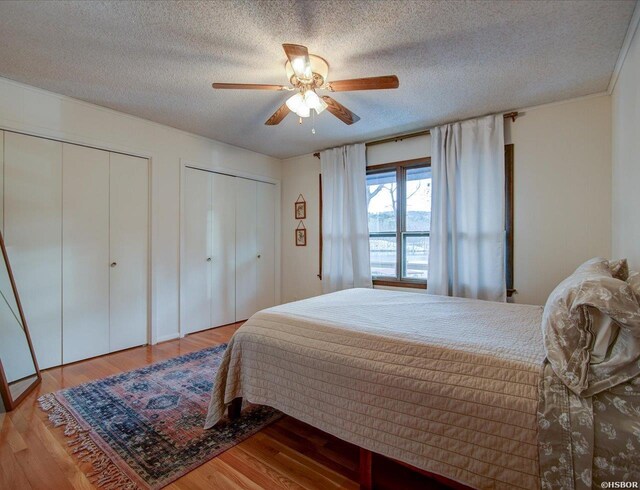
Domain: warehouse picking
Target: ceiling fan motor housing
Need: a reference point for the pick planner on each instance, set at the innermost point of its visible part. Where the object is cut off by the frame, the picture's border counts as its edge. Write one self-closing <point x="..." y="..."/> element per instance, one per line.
<point x="319" y="68"/>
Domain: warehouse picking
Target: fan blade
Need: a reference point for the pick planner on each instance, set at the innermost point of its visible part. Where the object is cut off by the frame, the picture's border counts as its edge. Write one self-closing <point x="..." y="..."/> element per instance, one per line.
<point x="299" y="58"/>
<point x="340" y="111"/>
<point x="279" y="115"/>
<point x="249" y="86"/>
<point x="372" y="83"/>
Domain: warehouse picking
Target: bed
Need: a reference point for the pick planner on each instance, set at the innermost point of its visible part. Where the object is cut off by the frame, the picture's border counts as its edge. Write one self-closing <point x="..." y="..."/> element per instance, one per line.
<point x="459" y="388"/>
<point x="447" y="385"/>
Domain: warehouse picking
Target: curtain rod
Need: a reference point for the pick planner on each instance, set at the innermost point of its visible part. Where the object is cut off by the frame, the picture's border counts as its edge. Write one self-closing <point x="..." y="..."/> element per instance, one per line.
<point x="400" y="137"/>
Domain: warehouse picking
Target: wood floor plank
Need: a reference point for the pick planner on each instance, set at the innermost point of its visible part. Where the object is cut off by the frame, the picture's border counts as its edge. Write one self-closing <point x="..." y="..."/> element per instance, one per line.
<point x="345" y="464"/>
<point x="257" y="471"/>
<point x="10" y="436"/>
<point x="11" y="473"/>
<point x="62" y="457"/>
<point x="304" y="471"/>
<point x="238" y="479"/>
<point x="39" y="467"/>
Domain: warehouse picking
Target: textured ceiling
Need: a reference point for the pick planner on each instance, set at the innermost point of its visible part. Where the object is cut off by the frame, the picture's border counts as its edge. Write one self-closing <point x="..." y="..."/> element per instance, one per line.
<point x="454" y="59"/>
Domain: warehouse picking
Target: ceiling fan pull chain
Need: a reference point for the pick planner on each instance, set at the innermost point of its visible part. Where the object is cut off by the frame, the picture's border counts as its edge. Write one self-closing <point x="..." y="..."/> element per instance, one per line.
<point x="313" y="121"/>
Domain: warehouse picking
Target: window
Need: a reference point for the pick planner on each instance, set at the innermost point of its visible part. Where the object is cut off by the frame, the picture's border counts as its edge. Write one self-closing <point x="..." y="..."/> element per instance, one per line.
<point x="400" y="234"/>
<point x="399" y="205"/>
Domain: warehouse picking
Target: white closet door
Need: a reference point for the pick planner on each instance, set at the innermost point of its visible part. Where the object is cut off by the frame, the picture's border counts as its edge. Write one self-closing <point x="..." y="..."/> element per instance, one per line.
<point x="197" y="255"/>
<point x="129" y="245"/>
<point x="223" y="265"/>
<point x="246" y="249"/>
<point x="85" y="252"/>
<point x="266" y="244"/>
<point x="33" y="235"/>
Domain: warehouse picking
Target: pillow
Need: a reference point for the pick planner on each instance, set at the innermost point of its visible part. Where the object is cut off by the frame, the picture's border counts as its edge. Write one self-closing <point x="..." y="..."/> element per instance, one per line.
<point x="570" y="329"/>
<point x="634" y="282"/>
<point x="597" y="264"/>
<point x="605" y="331"/>
<point x="603" y="327"/>
<point x="619" y="269"/>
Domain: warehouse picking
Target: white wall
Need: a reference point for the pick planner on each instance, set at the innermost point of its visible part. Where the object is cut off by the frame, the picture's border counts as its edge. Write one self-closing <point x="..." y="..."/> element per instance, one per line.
<point x="34" y="111"/>
<point x="300" y="264"/>
<point x="626" y="157"/>
<point x="562" y="192"/>
<point x="562" y="195"/>
<point x="402" y="150"/>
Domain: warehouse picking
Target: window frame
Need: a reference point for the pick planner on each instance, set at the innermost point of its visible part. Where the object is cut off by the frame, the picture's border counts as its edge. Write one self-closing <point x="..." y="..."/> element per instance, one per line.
<point x="401" y="168"/>
<point x="400" y="222"/>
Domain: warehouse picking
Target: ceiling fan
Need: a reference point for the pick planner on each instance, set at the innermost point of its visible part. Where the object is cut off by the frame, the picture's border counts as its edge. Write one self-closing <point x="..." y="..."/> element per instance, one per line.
<point x="308" y="73"/>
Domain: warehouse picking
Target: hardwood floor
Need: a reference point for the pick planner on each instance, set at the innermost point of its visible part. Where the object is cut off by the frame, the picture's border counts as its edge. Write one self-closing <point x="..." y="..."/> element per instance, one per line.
<point x="288" y="454"/>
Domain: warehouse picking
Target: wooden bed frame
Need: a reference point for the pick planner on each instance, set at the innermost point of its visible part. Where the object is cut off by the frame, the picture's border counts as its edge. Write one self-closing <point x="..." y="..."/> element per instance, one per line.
<point x="366" y="460"/>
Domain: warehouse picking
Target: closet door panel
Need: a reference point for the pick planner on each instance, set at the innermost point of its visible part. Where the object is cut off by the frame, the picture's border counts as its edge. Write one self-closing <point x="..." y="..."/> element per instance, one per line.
<point x="197" y="255"/>
<point x="33" y="236"/>
<point x="129" y="245"/>
<point x="246" y="249"/>
<point x="266" y="245"/>
<point x="85" y="252"/>
<point x="223" y="265"/>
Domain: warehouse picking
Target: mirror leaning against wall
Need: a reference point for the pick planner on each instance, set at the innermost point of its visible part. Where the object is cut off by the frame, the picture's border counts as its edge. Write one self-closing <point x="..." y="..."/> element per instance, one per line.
<point x="19" y="373"/>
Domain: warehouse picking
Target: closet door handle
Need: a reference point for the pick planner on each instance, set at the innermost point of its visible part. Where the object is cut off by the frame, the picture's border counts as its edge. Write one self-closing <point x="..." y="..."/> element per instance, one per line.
<point x="208" y="259"/>
<point x="259" y="255"/>
<point x="113" y="264"/>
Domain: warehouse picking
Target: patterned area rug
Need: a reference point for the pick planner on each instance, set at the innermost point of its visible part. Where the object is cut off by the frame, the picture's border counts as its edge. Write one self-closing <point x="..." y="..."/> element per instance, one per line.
<point x="144" y="428"/>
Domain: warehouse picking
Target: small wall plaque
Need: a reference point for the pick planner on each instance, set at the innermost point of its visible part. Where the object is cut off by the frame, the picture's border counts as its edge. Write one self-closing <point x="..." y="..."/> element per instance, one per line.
<point x="301" y="235"/>
<point x="301" y="208"/>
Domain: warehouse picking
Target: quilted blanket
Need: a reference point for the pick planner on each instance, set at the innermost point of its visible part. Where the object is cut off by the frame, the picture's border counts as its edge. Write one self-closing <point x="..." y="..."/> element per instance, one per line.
<point x="448" y="385"/>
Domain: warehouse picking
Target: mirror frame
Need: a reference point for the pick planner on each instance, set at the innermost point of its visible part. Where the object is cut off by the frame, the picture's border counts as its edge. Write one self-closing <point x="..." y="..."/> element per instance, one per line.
<point x="9" y="402"/>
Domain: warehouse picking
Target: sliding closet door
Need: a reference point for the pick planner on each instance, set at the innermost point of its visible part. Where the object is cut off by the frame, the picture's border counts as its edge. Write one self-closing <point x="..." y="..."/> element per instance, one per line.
<point x="129" y="245"/>
<point x="266" y="245"/>
<point x="33" y="236"/>
<point x="223" y="264"/>
<point x="197" y="255"/>
<point x="85" y="252"/>
<point x="246" y="249"/>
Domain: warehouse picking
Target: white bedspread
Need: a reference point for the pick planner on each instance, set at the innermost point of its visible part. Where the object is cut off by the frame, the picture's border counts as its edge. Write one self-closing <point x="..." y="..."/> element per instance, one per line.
<point x="446" y="384"/>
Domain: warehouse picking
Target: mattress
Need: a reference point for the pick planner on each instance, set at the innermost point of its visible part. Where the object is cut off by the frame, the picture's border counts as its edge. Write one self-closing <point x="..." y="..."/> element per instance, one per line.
<point x="448" y="385"/>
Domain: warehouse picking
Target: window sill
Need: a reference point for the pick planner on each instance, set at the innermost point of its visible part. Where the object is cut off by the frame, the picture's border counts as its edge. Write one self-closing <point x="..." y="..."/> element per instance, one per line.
<point x="399" y="284"/>
<point x="417" y="285"/>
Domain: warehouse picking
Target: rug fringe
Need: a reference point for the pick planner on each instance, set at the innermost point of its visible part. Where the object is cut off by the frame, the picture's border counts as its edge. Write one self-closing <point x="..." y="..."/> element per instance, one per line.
<point x="106" y="473"/>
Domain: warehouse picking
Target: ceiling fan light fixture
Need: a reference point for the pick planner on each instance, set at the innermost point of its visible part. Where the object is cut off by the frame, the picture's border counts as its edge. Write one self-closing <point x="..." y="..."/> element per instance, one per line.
<point x="323" y="105"/>
<point x="302" y="69"/>
<point x="297" y="104"/>
<point x="314" y="102"/>
<point x="304" y="111"/>
<point x="319" y="69"/>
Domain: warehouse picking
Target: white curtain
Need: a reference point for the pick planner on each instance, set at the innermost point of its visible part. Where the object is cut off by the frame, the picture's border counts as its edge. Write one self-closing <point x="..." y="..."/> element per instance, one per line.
<point x="345" y="227"/>
<point x="467" y="247"/>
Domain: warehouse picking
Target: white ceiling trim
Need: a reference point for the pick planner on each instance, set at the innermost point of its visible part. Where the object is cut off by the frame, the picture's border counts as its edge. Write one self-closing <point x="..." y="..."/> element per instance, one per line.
<point x="524" y="110"/>
<point x="631" y="31"/>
